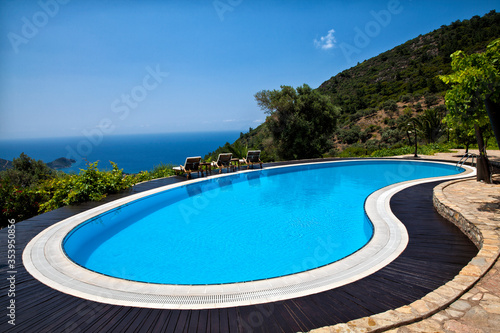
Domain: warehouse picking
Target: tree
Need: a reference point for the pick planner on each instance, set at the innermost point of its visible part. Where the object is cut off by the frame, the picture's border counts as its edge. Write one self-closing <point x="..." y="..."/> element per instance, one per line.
<point x="300" y="120"/>
<point x="462" y="133"/>
<point x="430" y="124"/>
<point x="474" y="97"/>
<point x="19" y="195"/>
<point x="26" y="171"/>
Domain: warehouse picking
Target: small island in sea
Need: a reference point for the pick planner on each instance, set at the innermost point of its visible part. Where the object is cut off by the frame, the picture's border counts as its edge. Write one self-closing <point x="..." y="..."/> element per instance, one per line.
<point x="60" y="163"/>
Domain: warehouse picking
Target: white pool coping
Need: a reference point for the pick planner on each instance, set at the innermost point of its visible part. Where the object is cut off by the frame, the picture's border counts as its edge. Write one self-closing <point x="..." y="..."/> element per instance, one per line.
<point x="45" y="259"/>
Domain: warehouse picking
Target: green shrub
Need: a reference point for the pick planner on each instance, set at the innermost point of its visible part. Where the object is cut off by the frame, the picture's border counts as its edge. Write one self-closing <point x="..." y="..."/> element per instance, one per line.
<point x="355" y="150"/>
<point x="159" y="171"/>
<point x="26" y="172"/>
<point x="31" y="188"/>
<point x="89" y="185"/>
<point x="406" y="98"/>
<point x="429" y="149"/>
<point x="350" y="135"/>
<point x="18" y="203"/>
<point x="19" y="197"/>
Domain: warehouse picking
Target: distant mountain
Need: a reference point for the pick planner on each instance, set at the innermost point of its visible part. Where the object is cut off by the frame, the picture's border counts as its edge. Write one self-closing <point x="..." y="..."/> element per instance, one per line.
<point x="60" y="163"/>
<point x="4" y="164"/>
<point x="380" y="94"/>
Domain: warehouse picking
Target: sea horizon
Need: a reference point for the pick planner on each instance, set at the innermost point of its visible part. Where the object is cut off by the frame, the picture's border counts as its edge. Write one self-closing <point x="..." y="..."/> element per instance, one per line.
<point x="132" y="153"/>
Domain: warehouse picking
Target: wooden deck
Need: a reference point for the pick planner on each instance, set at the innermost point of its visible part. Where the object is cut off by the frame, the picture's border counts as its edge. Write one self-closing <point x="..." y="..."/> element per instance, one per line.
<point x="435" y="254"/>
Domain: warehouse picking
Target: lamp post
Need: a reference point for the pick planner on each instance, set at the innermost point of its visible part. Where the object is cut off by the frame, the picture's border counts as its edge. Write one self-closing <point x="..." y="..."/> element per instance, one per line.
<point x="415" y="136"/>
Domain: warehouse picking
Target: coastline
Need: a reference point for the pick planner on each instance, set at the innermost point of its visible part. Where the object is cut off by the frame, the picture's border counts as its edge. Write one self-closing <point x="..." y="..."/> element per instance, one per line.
<point x="132" y="153"/>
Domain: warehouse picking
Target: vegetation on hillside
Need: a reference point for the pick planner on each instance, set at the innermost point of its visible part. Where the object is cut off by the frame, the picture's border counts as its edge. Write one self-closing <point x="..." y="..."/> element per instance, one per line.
<point x="409" y="69"/>
<point x="384" y="98"/>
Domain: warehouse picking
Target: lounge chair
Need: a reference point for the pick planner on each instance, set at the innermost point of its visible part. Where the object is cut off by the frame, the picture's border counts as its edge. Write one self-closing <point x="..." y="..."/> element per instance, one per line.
<point x="223" y="161"/>
<point x="192" y="164"/>
<point x="253" y="157"/>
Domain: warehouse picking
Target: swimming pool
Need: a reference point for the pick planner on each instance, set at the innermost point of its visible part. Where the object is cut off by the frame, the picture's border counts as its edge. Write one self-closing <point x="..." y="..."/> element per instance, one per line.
<point x="277" y="224"/>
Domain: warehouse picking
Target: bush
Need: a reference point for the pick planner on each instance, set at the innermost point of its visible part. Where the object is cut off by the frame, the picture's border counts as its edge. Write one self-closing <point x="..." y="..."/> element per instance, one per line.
<point x="26" y="172"/>
<point x="17" y="203"/>
<point x="159" y="171"/>
<point x="19" y="196"/>
<point x="390" y="135"/>
<point x="406" y="98"/>
<point x="390" y="105"/>
<point x="89" y="185"/>
<point x="350" y="135"/>
<point x="429" y="149"/>
<point x="31" y="188"/>
<point x="355" y="150"/>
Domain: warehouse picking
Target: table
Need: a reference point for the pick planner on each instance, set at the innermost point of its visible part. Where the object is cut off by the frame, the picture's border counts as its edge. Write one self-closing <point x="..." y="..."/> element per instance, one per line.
<point x="208" y="168"/>
<point x="236" y="161"/>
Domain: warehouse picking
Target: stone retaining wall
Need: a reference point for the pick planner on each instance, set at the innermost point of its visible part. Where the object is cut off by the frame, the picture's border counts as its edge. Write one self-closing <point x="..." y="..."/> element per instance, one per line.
<point x="484" y="237"/>
<point x="462" y="219"/>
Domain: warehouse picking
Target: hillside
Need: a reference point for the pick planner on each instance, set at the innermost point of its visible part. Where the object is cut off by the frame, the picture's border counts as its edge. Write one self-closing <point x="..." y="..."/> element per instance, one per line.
<point x="410" y="68"/>
<point x="378" y="96"/>
<point x="5" y="164"/>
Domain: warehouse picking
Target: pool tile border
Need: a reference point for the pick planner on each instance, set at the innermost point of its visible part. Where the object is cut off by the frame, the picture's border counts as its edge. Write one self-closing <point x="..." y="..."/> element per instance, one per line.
<point x="46" y="261"/>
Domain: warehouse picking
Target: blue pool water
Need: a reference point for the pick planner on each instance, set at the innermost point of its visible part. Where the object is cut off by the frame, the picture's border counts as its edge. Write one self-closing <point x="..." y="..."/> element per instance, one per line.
<point x="243" y="227"/>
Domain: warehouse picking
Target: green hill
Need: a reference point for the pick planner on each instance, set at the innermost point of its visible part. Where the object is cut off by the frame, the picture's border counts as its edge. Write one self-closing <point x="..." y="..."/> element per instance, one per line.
<point x="378" y="96"/>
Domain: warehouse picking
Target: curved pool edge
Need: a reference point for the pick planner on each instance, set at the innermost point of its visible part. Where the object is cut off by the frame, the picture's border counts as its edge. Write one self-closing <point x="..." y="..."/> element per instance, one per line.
<point x="421" y="312"/>
<point x="44" y="258"/>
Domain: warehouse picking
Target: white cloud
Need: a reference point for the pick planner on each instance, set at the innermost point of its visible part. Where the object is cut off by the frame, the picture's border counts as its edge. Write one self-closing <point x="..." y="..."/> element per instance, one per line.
<point x="326" y="42"/>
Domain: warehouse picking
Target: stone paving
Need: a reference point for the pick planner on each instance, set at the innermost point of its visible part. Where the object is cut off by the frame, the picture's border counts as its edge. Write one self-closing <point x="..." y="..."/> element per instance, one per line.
<point x="457" y="154"/>
<point x="471" y="301"/>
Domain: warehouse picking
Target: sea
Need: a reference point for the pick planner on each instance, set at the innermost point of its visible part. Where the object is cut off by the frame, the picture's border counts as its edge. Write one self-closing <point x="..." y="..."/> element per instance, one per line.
<point x="132" y="153"/>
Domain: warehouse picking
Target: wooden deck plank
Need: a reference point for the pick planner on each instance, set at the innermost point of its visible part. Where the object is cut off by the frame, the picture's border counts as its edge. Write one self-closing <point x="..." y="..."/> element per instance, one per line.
<point x="232" y="317"/>
<point x="193" y="322"/>
<point x="161" y="321"/>
<point x="224" y="320"/>
<point x="171" y="325"/>
<point x="202" y="321"/>
<point x="182" y="321"/>
<point x="213" y="315"/>
<point x="435" y="254"/>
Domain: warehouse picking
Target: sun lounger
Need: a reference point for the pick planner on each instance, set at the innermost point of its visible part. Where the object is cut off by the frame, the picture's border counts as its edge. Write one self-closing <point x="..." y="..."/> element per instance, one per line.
<point x="192" y="164"/>
<point x="223" y="161"/>
<point x="253" y="157"/>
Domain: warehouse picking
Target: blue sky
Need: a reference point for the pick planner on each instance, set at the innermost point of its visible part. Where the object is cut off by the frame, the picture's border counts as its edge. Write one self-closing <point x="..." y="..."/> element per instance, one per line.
<point x="74" y="67"/>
